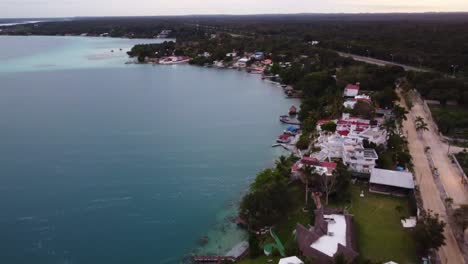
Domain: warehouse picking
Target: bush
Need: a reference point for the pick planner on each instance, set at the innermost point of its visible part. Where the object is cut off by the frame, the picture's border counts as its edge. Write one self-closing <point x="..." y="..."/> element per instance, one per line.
<point x="330" y="127"/>
<point x="303" y="142"/>
<point x="254" y="247"/>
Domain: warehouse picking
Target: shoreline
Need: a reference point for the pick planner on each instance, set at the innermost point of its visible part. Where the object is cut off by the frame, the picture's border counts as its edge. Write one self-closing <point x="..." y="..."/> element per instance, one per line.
<point x="226" y="234"/>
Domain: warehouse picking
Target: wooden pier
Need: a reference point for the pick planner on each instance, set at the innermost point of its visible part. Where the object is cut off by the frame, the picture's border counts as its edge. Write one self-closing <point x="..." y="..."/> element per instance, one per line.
<point x="286" y="120"/>
<point x="213" y="259"/>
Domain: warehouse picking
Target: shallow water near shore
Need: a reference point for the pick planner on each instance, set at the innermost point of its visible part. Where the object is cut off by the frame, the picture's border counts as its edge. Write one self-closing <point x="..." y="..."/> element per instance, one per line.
<point x="102" y="162"/>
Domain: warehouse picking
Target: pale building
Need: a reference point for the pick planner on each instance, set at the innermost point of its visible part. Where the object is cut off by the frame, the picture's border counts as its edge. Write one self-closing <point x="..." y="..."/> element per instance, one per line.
<point x="351" y="90"/>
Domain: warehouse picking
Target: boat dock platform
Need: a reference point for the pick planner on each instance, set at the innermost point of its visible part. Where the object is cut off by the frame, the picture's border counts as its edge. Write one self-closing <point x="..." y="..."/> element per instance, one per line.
<point x="213" y="259"/>
<point x="286" y="120"/>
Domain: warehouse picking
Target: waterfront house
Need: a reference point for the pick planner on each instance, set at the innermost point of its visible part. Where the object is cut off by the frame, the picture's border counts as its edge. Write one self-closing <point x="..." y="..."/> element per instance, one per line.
<point x="331" y="235"/>
<point x="391" y="182"/>
<point x="285" y="138"/>
<point x="242" y="63"/>
<point x="321" y="167"/>
<point x="351" y="90"/>
<point x="231" y="54"/>
<point x="359" y="159"/>
<point x="205" y="54"/>
<point x="292" y="110"/>
<point x="351" y="102"/>
<point x="258" y="55"/>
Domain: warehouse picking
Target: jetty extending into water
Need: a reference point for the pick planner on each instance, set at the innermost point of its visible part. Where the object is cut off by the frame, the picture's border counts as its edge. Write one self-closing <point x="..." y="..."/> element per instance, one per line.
<point x="213" y="259"/>
<point x="286" y="120"/>
<point x="236" y="253"/>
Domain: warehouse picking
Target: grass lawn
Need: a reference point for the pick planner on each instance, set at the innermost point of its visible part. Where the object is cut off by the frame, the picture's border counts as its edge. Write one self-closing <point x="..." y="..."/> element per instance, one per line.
<point x="452" y="120"/>
<point x="380" y="236"/>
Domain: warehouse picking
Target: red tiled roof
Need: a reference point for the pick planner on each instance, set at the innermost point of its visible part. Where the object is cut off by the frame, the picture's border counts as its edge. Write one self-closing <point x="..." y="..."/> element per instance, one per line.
<point x="310" y="161"/>
<point x="343" y="132"/>
<point x="348" y="122"/>
<point x="352" y="87"/>
<point x="323" y="121"/>
<point x="330" y="165"/>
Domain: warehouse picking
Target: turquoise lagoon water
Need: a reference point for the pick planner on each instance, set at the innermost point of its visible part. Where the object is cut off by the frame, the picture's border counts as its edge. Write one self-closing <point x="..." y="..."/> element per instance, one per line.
<point x="102" y="162"/>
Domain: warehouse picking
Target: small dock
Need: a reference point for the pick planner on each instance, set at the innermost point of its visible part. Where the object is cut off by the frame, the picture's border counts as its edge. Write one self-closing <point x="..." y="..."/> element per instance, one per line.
<point x="213" y="259"/>
<point x="287" y="120"/>
<point x="236" y="253"/>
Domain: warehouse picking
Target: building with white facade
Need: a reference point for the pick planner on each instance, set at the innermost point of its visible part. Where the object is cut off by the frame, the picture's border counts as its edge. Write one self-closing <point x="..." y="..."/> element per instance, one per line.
<point x="359" y="159"/>
<point x="351" y="102"/>
<point x="351" y="90"/>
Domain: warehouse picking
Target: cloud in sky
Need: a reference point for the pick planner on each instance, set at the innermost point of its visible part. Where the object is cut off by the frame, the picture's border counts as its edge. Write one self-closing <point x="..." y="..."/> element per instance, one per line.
<point x="65" y="8"/>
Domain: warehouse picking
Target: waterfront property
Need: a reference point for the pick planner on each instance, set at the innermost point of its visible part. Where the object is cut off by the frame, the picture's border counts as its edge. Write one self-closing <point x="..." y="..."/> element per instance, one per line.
<point x="332" y="234"/>
<point x="242" y="63"/>
<point x="359" y="159"/>
<point x="347" y="142"/>
<point x="351" y="102"/>
<point x="351" y="90"/>
<point x="321" y="167"/>
<point x="391" y="182"/>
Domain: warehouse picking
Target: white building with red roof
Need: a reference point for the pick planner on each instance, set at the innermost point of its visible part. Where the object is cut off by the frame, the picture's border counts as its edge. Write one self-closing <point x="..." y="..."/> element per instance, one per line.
<point x="351" y="102"/>
<point x="351" y="90"/>
<point x="322" y="167"/>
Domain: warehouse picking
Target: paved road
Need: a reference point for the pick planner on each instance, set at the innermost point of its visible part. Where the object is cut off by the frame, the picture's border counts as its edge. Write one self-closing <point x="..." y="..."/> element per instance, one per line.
<point x="450" y="253"/>
<point x="380" y="62"/>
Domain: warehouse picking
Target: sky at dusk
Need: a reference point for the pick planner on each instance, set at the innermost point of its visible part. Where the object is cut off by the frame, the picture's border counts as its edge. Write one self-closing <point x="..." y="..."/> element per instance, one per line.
<point x="69" y="8"/>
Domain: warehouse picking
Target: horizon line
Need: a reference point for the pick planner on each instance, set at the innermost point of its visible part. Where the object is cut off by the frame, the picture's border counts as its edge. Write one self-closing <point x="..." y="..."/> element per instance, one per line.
<point x="253" y="14"/>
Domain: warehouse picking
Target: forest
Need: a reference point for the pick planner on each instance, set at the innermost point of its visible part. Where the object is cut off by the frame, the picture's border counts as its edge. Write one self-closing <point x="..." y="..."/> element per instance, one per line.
<point x="430" y="40"/>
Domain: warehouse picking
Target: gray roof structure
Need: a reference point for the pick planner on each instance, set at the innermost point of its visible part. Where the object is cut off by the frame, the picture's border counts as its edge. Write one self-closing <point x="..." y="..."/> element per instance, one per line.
<point x="401" y="179"/>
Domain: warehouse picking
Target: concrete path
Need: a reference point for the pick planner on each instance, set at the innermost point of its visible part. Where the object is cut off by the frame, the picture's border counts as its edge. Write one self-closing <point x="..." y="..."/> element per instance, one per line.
<point x="450" y="253"/>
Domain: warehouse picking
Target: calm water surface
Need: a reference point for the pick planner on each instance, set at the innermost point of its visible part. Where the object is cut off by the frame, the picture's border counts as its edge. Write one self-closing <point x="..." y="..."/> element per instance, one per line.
<point x="102" y="162"/>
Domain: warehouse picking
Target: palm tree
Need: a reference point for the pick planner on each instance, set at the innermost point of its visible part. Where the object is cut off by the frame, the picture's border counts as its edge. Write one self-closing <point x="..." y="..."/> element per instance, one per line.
<point x="389" y="125"/>
<point x="419" y="119"/>
<point x="422" y="127"/>
<point x="282" y="165"/>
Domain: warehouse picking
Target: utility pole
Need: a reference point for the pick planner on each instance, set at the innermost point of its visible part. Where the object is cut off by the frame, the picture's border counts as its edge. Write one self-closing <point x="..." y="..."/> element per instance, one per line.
<point x="454" y="68"/>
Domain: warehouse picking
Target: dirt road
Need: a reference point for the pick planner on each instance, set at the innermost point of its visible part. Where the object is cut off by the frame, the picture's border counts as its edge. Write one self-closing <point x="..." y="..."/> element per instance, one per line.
<point x="449" y="174"/>
<point x="450" y="253"/>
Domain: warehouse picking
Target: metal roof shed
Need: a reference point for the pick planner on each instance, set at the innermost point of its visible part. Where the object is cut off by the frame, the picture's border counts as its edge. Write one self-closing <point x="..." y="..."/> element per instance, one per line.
<point x="400" y="179"/>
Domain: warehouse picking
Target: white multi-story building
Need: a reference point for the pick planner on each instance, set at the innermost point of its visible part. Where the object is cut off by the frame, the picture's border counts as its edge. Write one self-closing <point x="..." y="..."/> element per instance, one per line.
<point x="359" y="159"/>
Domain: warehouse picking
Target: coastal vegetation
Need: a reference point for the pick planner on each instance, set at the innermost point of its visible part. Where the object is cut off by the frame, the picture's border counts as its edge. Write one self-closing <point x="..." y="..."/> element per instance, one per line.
<point x="318" y="74"/>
